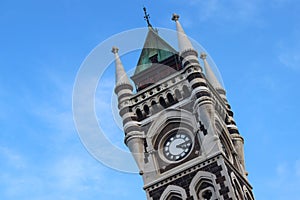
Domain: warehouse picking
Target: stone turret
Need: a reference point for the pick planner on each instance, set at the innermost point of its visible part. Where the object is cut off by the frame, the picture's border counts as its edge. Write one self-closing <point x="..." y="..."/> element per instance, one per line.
<point x="187" y="52"/>
<point x="133" y="136"/>
<point x="236" y="138"/>
<point x="211" y="77"/>
<point x="203" y="105"/>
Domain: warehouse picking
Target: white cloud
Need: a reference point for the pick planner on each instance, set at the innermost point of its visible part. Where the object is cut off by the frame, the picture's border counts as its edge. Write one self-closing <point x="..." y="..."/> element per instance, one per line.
<point x="12" y="158"/>
<point x="287" y="180"/>
<point x="56" y="168"/>
<point x="72" y="172"/>
<point x="282" y="170"/>
<point x="290" y="59"/>
<point x="289" y="50"/>
<point x="62" y="177"/>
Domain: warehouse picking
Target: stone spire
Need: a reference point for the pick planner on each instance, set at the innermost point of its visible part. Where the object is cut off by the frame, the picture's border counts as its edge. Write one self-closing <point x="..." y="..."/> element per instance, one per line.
<point x="210" y="75"/>
<point x="186" y="50"/>
<point x="121" y="76"/>
<point x="183" y="41"/>
<point x="133" y="137"/>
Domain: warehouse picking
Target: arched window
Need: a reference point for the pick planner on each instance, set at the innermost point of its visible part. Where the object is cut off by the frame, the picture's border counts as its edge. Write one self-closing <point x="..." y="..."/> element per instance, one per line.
<point x="224" y="147"/>
<point x="186" y="91"/>
<point x="207" y="194"/>
<point x="139" y="114"/>
<point x="146" y="109"/>
<point x="238" y="190"/>
<point x="248" y="197"/>
<point x="170" y="99"/>
<point x="174" y="197"/>
<point x="206" y="191"/>
<point x="154" y="107"/>
<point x="237" y="187"/>
<point x="202" y="186"/>
<point x="173" y="192"/>
<point x="178" y="94"/>
<point x="247" y="194"/>
<point x="162" y="102"/>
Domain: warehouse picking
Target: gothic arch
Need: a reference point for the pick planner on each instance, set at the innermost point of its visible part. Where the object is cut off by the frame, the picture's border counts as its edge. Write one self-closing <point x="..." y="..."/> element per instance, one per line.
<point x="236" y="185"/>
<point x="203" y="186"/>
<point x="170" y="99"/>
<point x="186" y="91"/>
<point x="225" y="140"/>
<point x="139" y="113"/>
<point x="178" y="94"/>
<point x="173" y="191"/>
<point x="168" y="116"/>
<point x="247" y="193"/>
<point x="146" y="109"/>
<point x="162" y="102"/>
<point x="154" y="108"/>
<point x="225" y="148"/>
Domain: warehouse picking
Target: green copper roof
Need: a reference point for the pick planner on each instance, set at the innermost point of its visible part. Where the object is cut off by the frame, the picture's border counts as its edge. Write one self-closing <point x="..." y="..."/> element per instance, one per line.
<point x="154" y="45"/>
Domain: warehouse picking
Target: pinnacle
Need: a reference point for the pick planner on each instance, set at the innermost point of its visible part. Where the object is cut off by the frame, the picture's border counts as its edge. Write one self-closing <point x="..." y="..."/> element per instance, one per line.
<point x="114" y="49"/>
<point x="175" y="17"/>
<point x="203" y="56"/>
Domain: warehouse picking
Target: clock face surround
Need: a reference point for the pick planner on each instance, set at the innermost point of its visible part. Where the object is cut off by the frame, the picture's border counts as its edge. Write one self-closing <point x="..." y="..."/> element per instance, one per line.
<point x="177" y="146"/>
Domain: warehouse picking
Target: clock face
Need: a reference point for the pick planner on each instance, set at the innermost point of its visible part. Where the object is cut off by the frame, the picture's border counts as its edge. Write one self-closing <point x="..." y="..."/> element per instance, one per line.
<point x="177" y="146"/>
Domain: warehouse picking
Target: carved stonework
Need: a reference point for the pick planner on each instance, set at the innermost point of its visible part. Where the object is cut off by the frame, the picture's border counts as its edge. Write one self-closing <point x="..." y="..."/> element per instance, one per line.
<point x="179" y="125"/>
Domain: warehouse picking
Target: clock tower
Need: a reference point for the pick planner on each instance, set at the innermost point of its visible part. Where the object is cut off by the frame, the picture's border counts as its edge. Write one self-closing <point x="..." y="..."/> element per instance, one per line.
<point x="179" y="125"/>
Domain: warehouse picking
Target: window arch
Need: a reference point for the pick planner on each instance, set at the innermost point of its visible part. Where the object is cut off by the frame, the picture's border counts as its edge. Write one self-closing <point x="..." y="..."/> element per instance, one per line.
<point x="178" y="94"/>
<point x="247" y="193"/>
<point x="174" y="197"/>
<point x="202" y="186"/>
<point x="173" y="192"/>
<point x="166" y="121"/>
<point x="139" y="114"/>
<point x="225" y="147"/>
<point x="237" y="187"/>
<point x="248" y="197"/>
<point x="186" y="91"/>
<point x="170" y="99"/>
<point x="207" y="193"/>
<point x="238" y="190"/>
<point x="154" y="107"/>
<point x="162" y="102"/>
<point x="146" y="109"/>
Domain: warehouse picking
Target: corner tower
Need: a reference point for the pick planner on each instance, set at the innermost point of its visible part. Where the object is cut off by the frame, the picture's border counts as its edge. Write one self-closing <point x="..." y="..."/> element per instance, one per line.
<point x="179" y="125"/>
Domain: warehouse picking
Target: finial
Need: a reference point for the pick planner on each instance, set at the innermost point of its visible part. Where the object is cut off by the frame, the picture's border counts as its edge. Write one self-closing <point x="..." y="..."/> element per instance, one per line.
<point x="210" y="75"/>
<point x="121" y="76"/>
<point x="175" y="17"/>
<point x="147" y="17"/>
<point x="184" y="43"/>
<point x="114" y="49"/>
<point x="203" y="56"/>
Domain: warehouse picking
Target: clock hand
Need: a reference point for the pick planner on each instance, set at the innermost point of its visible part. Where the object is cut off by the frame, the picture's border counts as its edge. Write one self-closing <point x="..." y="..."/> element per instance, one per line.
<point x="182" y="145"/>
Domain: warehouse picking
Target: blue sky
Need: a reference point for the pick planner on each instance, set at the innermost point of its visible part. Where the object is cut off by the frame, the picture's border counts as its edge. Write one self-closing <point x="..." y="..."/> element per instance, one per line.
<point x="255" y="44"/>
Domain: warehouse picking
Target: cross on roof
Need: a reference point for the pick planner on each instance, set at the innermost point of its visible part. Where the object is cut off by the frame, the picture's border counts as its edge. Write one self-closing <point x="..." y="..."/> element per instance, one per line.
<point x="147" y="17"/>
